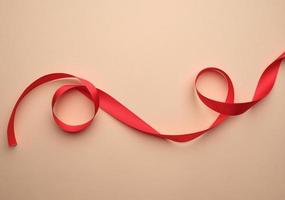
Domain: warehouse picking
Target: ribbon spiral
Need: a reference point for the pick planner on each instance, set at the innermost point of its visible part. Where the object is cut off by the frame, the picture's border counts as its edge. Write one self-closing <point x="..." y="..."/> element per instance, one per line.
<point x="117" y="110"/>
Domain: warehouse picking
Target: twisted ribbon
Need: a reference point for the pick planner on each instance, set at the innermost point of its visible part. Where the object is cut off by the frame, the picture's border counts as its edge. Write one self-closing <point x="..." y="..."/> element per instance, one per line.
<point x="117" y="110"/>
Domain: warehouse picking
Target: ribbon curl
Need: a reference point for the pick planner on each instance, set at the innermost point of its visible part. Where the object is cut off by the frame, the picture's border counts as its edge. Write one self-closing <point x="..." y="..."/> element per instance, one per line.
<point x="117" y="110"/>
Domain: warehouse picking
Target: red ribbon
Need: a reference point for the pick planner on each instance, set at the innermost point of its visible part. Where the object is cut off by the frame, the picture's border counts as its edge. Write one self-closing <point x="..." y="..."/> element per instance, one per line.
<point x="110" y="105"/>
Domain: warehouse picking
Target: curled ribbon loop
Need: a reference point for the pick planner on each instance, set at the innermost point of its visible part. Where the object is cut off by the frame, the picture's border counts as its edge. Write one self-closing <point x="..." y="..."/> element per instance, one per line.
<point x="117" y="110"/>
<point x="92" y="94"/>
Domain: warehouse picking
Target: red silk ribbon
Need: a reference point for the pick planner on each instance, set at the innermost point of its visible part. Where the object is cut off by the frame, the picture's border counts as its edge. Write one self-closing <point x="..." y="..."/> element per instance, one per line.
<point x="110" y="105"/>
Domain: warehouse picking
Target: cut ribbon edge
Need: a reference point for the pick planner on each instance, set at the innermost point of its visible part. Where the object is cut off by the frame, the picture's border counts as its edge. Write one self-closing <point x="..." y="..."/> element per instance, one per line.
<point x="117" y="110"/>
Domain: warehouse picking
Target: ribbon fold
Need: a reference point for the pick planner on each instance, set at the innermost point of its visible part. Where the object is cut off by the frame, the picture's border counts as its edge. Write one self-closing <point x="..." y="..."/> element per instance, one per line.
<point x="117" y="110"/>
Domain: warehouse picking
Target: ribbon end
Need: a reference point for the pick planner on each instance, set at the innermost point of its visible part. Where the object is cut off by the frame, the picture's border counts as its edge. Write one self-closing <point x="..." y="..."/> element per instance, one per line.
<point x="12" y="145"/>
<point x="12" y="142"/>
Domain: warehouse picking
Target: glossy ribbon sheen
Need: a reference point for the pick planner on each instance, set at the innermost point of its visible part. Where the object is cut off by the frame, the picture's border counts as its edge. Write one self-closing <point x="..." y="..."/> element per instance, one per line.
<point x="110" y="105"/>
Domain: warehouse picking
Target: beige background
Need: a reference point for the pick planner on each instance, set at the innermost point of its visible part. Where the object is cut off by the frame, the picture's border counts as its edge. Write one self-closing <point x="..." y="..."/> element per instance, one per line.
<point x="146" y="54"/>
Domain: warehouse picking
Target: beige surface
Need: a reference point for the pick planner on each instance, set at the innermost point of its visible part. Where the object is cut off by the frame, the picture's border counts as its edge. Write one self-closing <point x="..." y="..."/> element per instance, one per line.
<point x="146" y="54"/>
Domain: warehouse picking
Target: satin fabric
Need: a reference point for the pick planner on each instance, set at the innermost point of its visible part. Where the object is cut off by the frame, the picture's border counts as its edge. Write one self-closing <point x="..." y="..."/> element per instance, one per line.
<point x="120" y="112"/>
